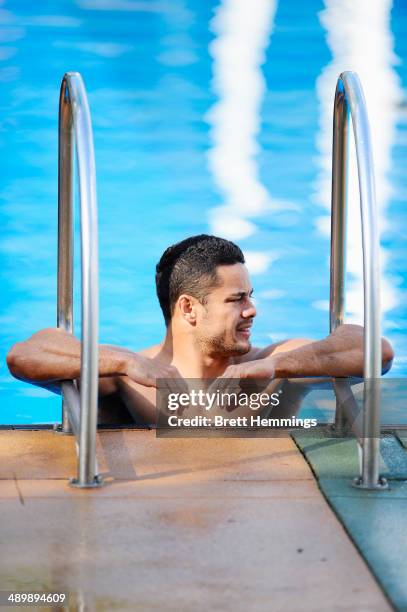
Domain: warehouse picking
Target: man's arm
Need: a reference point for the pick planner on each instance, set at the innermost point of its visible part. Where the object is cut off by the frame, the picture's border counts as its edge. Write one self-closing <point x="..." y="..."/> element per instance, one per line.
<point x="52" y="355"/>
<point x="340" y="354"/>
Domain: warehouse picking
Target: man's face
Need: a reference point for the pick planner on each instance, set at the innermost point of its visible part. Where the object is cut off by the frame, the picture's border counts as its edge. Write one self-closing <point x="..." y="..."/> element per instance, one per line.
<point x="224" y="321"/>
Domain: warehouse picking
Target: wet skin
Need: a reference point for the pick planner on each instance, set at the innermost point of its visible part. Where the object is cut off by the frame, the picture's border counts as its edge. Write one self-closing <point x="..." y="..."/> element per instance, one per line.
<point x="206" y="339"/>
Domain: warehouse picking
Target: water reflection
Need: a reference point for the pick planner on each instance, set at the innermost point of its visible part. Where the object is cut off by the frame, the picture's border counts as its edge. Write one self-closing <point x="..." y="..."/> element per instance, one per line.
<point x="242" y="35"/>
<point x="360" y="40"/>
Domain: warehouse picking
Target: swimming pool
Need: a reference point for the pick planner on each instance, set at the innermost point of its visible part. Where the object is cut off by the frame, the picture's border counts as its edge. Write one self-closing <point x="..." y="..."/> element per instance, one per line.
<point x="208" y="117"/>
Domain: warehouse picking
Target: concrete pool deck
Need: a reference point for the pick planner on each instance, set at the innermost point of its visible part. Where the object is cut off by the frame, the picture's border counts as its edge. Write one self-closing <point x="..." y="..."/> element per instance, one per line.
<point x="183" y="524"/>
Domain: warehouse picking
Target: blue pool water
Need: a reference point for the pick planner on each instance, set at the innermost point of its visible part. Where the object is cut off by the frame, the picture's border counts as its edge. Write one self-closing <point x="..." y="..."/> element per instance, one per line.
<point x="208" y="117"/>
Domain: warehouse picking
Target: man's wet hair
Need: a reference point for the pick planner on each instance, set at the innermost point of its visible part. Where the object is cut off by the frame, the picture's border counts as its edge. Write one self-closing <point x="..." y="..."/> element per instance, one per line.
<point x="190" y="266"/>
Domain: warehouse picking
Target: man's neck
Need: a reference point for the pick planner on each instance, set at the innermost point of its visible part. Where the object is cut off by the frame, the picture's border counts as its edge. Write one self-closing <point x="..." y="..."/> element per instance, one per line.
<point x="189" y="358"/>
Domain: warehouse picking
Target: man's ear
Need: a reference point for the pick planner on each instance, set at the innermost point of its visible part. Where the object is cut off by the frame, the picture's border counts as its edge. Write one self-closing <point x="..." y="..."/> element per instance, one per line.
<point x="187" y="307"/>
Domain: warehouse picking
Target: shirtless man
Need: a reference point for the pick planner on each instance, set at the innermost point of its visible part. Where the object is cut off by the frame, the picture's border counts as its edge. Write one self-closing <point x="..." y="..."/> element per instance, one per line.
<point x="205" y="294"/>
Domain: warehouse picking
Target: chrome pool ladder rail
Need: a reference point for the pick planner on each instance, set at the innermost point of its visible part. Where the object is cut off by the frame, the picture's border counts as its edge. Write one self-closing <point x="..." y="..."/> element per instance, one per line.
<point x="79" y="408"/>
<point x="350" y="101"/>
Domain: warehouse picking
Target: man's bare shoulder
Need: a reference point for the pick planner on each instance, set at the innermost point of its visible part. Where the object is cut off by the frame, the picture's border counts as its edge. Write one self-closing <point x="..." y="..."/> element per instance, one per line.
<point x="256" y="353"/>
<point x="150" y="351"/>
<point x="153" y="351"/>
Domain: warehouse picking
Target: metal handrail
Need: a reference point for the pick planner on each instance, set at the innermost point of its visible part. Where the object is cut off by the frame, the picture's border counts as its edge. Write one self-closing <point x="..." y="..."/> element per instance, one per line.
<point x="349" y="100"/>
<point x="79" y="410"/>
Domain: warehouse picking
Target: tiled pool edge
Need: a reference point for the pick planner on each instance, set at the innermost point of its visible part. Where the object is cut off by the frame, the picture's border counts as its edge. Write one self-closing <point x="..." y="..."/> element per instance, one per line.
<point x="375" y="521"/>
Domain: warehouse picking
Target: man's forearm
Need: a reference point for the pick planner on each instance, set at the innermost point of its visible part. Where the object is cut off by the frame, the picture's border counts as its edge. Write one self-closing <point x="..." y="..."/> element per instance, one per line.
<point x="52" y="355"/>
<point x="340" y="354"/>
<point x="310" y="360"/>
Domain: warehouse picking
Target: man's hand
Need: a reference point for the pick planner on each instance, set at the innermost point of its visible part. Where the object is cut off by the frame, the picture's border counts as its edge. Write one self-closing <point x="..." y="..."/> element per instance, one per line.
<point x="232" y="380"/>
<point x="262" y="368"/>
<point x="146" y="371"/>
